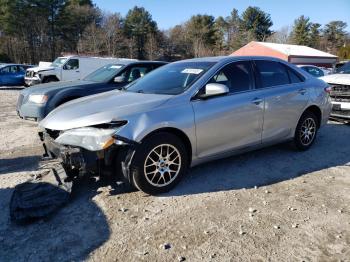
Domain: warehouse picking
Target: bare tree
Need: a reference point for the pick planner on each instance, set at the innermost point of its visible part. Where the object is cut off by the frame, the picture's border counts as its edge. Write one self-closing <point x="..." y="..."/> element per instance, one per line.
<point x="281" y="36"/>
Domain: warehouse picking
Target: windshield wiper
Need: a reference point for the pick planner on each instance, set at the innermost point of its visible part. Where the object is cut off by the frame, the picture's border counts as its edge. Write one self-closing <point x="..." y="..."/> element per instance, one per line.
<point x="121" y="88"/>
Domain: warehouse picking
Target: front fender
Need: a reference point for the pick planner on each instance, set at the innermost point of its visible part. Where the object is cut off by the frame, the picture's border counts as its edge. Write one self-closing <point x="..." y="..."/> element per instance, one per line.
<point x="179" y="117"/>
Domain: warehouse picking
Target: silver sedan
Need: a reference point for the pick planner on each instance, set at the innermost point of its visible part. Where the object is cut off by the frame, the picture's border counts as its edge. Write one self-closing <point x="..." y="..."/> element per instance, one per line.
<point x="187" y="113"/>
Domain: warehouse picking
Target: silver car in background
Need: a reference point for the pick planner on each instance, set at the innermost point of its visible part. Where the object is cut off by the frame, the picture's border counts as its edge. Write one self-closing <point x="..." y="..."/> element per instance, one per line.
<point x="187" y="113"/>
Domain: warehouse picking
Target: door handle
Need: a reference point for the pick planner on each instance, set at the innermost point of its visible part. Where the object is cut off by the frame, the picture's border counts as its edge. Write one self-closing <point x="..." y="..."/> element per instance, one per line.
<point x="302" y="91"/>
<point x="77" y="71"/>
<point x="257" y="101"/>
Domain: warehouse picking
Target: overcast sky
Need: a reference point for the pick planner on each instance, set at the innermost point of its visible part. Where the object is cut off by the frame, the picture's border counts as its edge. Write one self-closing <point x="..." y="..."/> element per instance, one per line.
<point x="168" y="13"/>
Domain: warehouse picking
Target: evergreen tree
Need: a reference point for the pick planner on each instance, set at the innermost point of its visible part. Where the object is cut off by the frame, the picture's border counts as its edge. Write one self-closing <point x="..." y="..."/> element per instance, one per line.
<point x="315" y="35"/>
<point x="256" y="23"/>
<point x="138" y="27"/>
<point x="235" y="36"/>
<point x="202" y="33"/>
<point x="75" y="17"/>
<point x="334" y="33"/>
<point x="301" y="31"/>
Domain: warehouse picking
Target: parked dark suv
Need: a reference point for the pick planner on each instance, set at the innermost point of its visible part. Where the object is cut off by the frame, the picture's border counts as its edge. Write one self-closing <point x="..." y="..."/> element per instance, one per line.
<point x="36" y="102"/>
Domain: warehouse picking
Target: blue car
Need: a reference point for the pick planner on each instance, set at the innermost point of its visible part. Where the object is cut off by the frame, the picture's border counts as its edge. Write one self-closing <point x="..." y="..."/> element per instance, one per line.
<point x="12" y="74"/>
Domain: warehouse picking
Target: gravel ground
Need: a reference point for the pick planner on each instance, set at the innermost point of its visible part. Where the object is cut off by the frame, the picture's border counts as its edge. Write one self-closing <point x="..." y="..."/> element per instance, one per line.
<point x="274" y="204"/>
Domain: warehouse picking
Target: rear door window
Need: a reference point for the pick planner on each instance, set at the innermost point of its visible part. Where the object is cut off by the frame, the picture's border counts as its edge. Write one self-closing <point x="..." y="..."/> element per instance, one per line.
<point x="271" y="73"/>
<point x="13" y="69"/>
<point x="237" y="76"/>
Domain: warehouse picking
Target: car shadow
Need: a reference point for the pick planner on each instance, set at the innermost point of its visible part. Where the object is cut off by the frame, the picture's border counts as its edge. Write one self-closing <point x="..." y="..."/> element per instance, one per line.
<point x="70" y="234"/>
<point x="268" y="166"/>
<point x="19" y="164"/>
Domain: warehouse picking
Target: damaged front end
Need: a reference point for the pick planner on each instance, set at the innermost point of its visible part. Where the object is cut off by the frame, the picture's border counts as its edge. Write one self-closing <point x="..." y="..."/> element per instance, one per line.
<point x="340" y="96"/>
<point x="96" y="149"/>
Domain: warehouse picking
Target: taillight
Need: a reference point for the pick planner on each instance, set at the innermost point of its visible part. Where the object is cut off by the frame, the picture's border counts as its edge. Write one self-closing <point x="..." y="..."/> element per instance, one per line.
<point x="328" y="89"/>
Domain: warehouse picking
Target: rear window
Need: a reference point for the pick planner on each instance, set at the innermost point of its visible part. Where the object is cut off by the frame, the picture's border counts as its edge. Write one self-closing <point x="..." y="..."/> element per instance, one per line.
<point x="294" y="76"/>
<point x="272" y="73"/>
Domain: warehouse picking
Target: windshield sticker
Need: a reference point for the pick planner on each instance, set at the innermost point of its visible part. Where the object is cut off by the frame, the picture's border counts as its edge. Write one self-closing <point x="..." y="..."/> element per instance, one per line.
<point x="194" y="71"/>
<point x="116" y="66"/>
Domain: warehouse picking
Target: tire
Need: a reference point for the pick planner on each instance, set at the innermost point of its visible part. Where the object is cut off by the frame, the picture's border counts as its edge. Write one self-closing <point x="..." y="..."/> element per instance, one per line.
<point x="306" y="131"/>
<point x="49" y="79"/>
<point x="153" y="174"/>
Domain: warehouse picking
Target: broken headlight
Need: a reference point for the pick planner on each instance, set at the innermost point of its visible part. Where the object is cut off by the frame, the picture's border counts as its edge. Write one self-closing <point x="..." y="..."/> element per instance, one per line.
<point x="90" y="138"/>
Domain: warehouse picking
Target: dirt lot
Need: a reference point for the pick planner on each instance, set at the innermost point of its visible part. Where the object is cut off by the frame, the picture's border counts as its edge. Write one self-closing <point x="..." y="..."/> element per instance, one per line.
<point x="274" y="204"/>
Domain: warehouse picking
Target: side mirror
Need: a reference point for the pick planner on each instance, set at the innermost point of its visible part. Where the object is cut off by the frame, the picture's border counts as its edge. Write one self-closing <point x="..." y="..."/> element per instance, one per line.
<point x="214" y="89"/>
<point x="119" y="79"/>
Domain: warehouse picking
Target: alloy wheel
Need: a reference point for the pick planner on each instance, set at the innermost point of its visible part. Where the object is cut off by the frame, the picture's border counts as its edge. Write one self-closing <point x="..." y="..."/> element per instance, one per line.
<point x="308" y="131"/>
<point x="162" y="165"/>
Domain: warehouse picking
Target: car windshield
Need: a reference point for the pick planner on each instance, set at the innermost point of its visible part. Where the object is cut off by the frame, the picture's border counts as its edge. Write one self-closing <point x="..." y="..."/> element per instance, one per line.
<point x="171" y="79"/>
<point x="59" y="61"/>
<point x="345" y="69"/>
<point x="104" y="74"/>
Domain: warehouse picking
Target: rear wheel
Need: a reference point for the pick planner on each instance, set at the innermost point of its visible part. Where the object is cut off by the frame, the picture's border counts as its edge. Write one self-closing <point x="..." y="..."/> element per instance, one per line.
<point x="306" y="131"/>
<point x="158" y="164"/>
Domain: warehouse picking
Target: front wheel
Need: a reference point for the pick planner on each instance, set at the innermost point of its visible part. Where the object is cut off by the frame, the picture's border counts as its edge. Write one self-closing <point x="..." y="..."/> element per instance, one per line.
<point x="158" y="164"/>
<point x="306" y="131"/>
<point x="49" y="79"/>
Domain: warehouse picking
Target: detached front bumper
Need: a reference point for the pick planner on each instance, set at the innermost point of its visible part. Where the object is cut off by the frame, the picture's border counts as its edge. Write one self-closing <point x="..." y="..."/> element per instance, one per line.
<point x="340" y="97"/>
<point x="29" y="111"/>
<point x="30" y="81"/>
<point x="340" y="110"/>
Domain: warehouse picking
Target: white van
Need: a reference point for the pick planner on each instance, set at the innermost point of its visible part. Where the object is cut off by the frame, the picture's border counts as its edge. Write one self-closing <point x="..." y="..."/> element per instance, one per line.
<point x="65" y="68"/>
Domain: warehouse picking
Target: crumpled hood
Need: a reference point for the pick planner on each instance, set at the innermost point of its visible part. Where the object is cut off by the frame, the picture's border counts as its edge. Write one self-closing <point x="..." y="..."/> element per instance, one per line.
<point x="41" y="68"/>
<point x="54" y="86"/>
<point x="101" y="108"/>
<point x="340" y="79"/>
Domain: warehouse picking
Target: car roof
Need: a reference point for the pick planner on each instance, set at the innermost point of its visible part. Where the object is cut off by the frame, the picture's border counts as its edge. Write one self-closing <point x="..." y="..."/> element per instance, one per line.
<point x="307" y="65"/>
<point x="3" y="65"/>
<point x="131" y="62"/>
<point x="123" y="61"/>
<point x="230" y="58"/>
